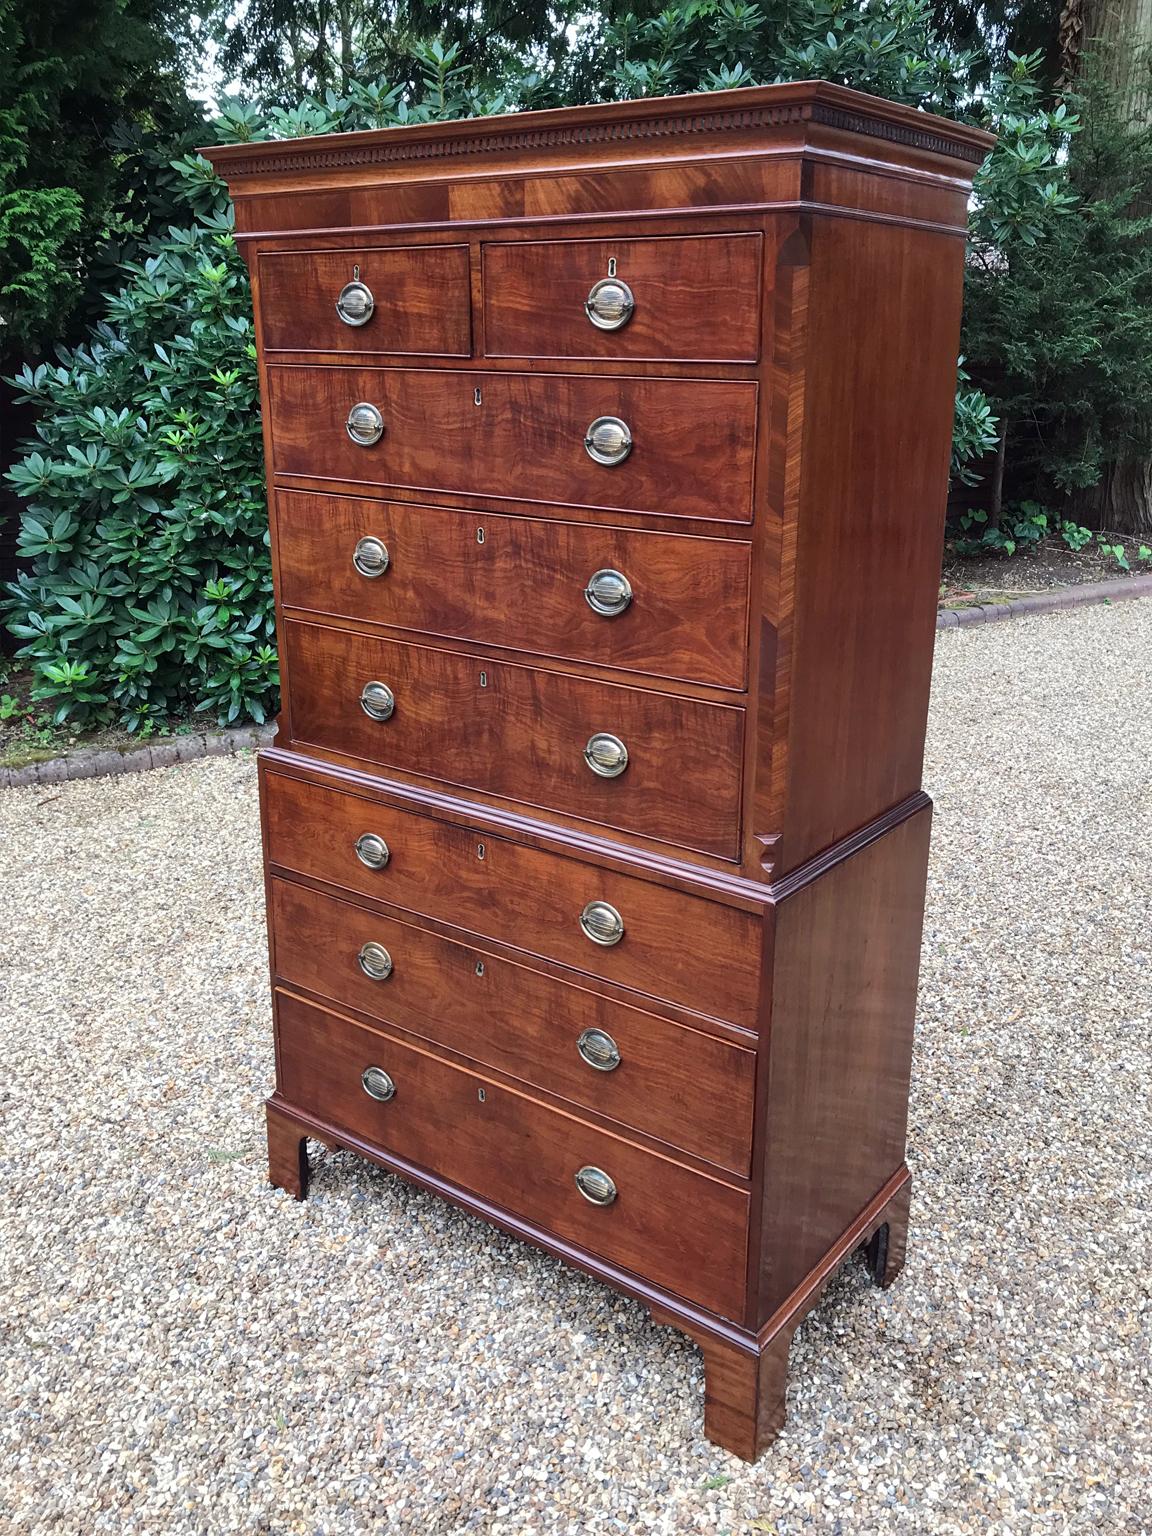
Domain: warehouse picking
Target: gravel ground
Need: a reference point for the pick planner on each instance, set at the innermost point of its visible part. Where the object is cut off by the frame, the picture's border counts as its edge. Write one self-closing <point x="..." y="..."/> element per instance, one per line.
<point x="186" y="1350"/>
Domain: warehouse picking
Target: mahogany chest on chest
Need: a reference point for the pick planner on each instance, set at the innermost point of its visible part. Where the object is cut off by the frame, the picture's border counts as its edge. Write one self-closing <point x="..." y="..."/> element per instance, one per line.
<point x="607" y="453"/>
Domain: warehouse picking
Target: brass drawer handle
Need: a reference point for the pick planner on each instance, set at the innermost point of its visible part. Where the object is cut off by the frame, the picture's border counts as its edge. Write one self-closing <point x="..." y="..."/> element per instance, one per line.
<point x="355" y="304"/>
<point x="375" y="961"/>
<point x="609" y="304"/>
<point x="377" y="701"/>
<point x="608" y="440"/>
<point x="602" y="924"/>
<point x="370" y="557"/>
<point x="377" y="1084"/>
<point x="365" y="425"/>
<point x="599" y="1050"/>
<point x="606" y="755"/>
<point x="372" y="850"/>
<point x="595" y="1185"/>
<point x="608" y="592"/>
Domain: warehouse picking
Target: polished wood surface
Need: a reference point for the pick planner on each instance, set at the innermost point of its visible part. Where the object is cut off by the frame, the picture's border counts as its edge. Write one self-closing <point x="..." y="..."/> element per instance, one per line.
<point x="869" y="526"/>
<point x="846" y="951"/>
<point x="696" y="298"/>
<point x="422" y="299"/>
<point x="795" y="254"/>
<point x="681" y="1228"/>
<point x="677" y="947"/>
<point x="522" y="588"/>
<point x="520" y="732"/>
<point x="692" y="455"/>
<point x="685" y="1087"/>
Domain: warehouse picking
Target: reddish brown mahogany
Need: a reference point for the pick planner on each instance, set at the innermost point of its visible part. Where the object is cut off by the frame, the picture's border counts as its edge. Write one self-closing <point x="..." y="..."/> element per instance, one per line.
<point x="707" y="1108"/>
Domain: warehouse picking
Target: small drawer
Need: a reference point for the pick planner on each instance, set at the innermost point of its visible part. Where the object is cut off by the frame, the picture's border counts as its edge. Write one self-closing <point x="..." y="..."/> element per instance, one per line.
<point x="679" y="1085"/>
<point x="654" y="764"/>
<point x="693" y="299"/>
<point x="683" y="949"/>
<point x="680" y="1229"/>
<point x="414" y="300"/>
<point x="669" y="447"/>
<point x="667" y="604"/>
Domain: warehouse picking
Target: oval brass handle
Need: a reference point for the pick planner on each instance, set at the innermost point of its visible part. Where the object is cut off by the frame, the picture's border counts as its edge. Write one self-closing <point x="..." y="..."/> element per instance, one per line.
<point x="375" y="961"/>
<point x="606" y="755"/>
<point x="365" y="425"/>
<point x="371" y="557"/>
<point x="595" y="1185"/>
<point x="355" y="304"/>
<point x="377" y="1084"/>
<point x="372" y="850"/>
<point x="599" y="1050"/>
<point x="602" y="924"/>
<point x="609" y="304"/>
<point x="377" y="701"/>
<point x="608" y="592"/>
<point x="608" y="440"/>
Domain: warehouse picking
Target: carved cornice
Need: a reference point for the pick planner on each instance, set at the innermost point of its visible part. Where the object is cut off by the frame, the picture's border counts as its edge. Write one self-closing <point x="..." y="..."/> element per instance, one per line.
<point x="392" y="146"/>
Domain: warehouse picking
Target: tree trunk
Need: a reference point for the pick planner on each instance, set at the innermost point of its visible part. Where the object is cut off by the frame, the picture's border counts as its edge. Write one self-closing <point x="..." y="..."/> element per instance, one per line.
<point x="1118" y="33"/>
<point x="1122" y="501"/>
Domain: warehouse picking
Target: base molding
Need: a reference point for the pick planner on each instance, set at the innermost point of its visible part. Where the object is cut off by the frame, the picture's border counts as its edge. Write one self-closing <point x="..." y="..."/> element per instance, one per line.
<point x="746" y="1373"/>
<point x="746" y="1380"/>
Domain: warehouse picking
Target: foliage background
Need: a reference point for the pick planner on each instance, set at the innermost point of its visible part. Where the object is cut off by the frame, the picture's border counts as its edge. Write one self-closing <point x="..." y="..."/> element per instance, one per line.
<point x="148" y="592"/>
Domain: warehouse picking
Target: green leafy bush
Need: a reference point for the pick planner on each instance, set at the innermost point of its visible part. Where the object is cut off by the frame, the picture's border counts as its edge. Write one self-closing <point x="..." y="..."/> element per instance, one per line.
<point x="150" y="589"/>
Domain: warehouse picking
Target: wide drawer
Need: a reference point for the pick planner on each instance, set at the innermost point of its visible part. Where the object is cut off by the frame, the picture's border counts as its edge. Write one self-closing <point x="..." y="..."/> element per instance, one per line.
<point x="521" y="733"/>
<point x="693" y="298"/>
<point x="522" y="582"/>
<point x="677" y="1228"/>
<point x="417" y="300"/>
<point x="681" y="948"/>
<point x="521" y="436"/>
<point x="680" y="1085"/>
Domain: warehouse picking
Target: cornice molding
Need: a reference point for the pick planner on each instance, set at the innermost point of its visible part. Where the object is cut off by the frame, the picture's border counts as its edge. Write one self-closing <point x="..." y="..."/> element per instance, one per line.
<point x="391" y="146"/>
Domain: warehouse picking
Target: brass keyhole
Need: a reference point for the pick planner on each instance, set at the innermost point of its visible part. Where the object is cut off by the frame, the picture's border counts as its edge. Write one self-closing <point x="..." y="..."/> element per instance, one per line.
<point x="479" y="535"/>
<point x="480" y="850"/>
<point x="479" y="967"/>
<point x="611" y="266"/>
<point x="481" y="1095"/>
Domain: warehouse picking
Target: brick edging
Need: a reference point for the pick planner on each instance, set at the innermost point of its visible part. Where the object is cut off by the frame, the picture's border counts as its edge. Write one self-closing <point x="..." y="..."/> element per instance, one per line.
<point x="1046" y="602"/>
<point x="95" y="762"/>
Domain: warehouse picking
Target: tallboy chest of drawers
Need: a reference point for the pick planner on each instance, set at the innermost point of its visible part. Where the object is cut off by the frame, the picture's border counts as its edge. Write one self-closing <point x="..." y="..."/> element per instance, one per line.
<point x="607" y="456"/>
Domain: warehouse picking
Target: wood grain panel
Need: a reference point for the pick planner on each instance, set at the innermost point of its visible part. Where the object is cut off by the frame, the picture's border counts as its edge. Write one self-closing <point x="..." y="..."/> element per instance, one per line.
<point x="693" y="451"/>
<point x="681" y="948"/>
<point x="689" y="1089"/>
<point x="422" y="294"/>
<point x="883" y="326"/>
<point x="520" y="732"/>
<point x="523" y="586"/>
<point x="846" y="958"/>
<point x="696" y="298"/>
<point x="678" y="1227"/>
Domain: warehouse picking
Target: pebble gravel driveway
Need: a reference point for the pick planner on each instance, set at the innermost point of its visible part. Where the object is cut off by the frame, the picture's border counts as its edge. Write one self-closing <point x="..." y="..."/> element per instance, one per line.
<point x="186" y="1350"/>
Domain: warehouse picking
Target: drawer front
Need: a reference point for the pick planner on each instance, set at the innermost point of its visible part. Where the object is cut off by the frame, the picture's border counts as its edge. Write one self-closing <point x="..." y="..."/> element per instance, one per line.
<point x="675" y="1227"/>
<point x="417" y="299"/>
<point x="683" y="949"/>
<point x="693" y="441"/>
<point x="521" y="733"/>
<point x="679" y="1085"/>
<point x="521" y="582"/>
<point x="693" y="298"/>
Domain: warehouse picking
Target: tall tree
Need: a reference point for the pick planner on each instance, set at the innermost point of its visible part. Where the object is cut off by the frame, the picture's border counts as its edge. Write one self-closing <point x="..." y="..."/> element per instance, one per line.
<point x="1113" y="38"/>
<point x="281" y="51"/>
